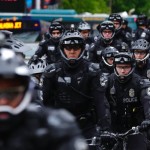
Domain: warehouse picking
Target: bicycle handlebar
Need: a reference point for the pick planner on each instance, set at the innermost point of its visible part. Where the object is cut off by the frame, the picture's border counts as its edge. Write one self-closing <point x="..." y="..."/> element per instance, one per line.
<point x="110" y="135"/>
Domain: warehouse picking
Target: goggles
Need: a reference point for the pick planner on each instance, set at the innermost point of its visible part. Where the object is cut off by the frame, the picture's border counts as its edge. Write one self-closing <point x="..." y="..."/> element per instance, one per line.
<point x="74" y="47"/>
<point x="122" y="60"/>
<point x="11" y="93"/>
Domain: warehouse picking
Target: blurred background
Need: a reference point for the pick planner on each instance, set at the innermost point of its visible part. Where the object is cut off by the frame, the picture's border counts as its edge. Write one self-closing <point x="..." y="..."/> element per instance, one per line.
<point x="29" y="19"/>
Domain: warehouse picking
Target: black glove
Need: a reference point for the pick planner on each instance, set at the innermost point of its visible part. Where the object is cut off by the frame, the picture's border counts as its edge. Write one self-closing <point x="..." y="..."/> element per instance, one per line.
<point x="145" y="124"/>
<point x="34" y="59"/>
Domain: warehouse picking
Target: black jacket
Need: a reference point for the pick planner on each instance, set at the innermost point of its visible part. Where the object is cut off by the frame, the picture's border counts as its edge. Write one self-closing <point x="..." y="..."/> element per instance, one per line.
<point x="129" y="102"/>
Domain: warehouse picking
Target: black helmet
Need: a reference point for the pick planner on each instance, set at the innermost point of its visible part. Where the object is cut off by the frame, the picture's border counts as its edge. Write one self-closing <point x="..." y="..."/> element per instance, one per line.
<point x="15" y="76"/>
<point x="123" y="47"/>
<point x="56" y="26"/>
<point x="124" y="22"/>
<point x="72" y="37"/>
<point x="124" y="58"/>
<point x="116" y="17"/>
<point x="84" y="26"/>
<point x="142" y="45"/>
<point x="106" y="25"/>
<point x="107" y="53"/>
<point x="141" y="20"/>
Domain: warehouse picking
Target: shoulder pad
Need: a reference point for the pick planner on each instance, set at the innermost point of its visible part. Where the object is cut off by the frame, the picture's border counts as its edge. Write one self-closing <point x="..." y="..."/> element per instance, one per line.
<point x="94" y="67"/>
<point x="61" y="123"/>
<point x="145" y="83"/>
<point x="42" y="42"/>
<point x="51" y="69"/>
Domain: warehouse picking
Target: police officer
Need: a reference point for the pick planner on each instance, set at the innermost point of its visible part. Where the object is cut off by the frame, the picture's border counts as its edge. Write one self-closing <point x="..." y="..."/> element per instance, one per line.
<point x="120" y="34"/>
<point x="36" y="70"/>
<point x="140" y="49"/>
<point x="22" y="126"/>
<point x="76" y="85"/>
<point x="125" y="27"/>
<point x="106" y="65"/>
<point x="128" y="95"/>
<point x="107" y="32"/>
<point x="85" y="29"/>
<point x="142" y="31"/>
<point x="49" y="46"/>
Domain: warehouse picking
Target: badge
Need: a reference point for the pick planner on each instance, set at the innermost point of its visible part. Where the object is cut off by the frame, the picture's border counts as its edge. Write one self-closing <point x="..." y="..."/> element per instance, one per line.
<point x="131" y="92"/>
<point x="148" y="91"/>
<point x="148" y="73"/>
<point x="51" y="48"/>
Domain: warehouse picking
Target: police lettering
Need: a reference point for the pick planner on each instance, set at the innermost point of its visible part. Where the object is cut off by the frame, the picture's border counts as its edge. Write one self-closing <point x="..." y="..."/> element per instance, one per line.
<point x="130" y="100"/>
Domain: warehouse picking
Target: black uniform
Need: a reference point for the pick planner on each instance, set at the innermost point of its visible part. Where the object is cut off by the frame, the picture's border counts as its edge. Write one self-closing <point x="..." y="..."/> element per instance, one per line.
<point x="77" y="90"/>
<point x="105" y="68"/>
<point x="54" y="129"/>
<point x="50" y="49"/>
<point x="101" y="45"/>
<point x="141" y="34"/>
<point x="144" y="71"/>
<point x="129" y="102"/>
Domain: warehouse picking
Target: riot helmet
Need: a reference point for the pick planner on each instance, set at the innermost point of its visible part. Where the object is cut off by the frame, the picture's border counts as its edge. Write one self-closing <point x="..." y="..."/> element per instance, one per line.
<point x="16" y="88"/>
<point x="36" y="69"/>
<point x="109" y="52"/>
<point x="106" y="26"/>
<point x="142" y="47"/>
<point x="72" y="39"/>
<point x="117" y="20"/>
<point x="141" y="20"/>
<point x="84" y="28"/>
<point x="59" y="28"/>
<point x="123" y="61"/>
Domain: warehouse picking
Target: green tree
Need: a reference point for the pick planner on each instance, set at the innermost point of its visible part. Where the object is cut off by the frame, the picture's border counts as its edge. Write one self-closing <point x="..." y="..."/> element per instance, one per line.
<point x="92" y="6"/>
<point x="125" y="5"/>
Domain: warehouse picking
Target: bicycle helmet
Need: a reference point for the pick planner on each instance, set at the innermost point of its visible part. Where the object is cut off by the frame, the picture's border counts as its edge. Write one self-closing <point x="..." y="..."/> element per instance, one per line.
<point x="116" y="17"/>
<point x="83" y="26"/>
<point x="125" y="22"/>
<point x="14" y="80"/>
<point x="72" y="37"/>
<point x="56" y="26"/>
<point x="38" y="67"/>
<point x="141" y="45"/>
<point x="109" y="52"/>
<point x="106" y="25"/>
<point x="124" y="58"/>
<point x="141" y="20"/>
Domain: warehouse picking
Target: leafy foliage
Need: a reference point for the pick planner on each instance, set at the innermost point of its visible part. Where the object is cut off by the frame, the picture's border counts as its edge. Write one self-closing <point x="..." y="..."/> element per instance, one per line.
<point x="92" y="6"/>
<point x="107" y="6"/>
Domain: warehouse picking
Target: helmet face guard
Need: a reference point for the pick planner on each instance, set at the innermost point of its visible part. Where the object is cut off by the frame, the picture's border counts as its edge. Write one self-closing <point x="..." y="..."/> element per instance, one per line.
<point x="56" y="26"/>
<point x="107" y="25"/>
<point x="109" y="52"/>
<point x="16" y="75"/>
<point x="72" y="38"/>
<point x="143" y="46"/>
<point x="116" y="18"/>
<point x="124" y="58"/>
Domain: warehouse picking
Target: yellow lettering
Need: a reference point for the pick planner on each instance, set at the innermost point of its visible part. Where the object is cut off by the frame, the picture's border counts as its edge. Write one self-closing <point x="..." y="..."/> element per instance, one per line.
<point x="10" y="25"/>
<point x="18" y="25"/>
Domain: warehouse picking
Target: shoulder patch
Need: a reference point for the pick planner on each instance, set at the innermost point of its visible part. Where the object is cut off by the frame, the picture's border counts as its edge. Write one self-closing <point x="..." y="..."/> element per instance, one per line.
<point x="148" y="91"/>
<point x="103" y="80"/>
